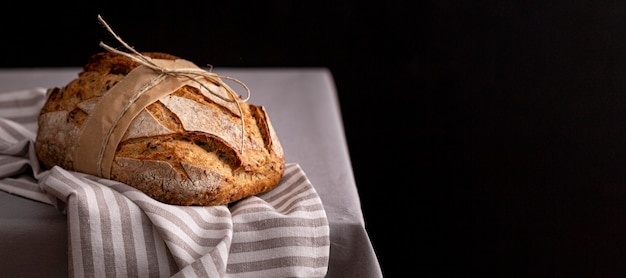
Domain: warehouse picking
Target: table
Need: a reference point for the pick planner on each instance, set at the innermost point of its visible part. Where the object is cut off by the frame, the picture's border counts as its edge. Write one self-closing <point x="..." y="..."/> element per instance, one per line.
<point x="303" y="106"/>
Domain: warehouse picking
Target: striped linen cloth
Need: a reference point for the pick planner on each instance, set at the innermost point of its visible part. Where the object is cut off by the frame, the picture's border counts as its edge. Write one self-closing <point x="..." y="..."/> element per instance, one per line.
<point x="117" y="231"/>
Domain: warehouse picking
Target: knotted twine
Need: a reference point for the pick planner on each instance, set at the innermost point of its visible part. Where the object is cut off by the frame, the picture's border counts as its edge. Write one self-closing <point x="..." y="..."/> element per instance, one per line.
<point x="132" y="97"/>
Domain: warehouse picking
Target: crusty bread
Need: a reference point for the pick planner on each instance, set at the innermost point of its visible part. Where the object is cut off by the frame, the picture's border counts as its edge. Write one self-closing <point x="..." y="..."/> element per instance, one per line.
<point x="171" y="154"/>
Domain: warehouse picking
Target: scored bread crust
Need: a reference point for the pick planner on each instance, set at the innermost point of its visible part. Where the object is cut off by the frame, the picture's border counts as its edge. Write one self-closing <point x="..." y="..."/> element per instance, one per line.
<point x="171" y="154"/>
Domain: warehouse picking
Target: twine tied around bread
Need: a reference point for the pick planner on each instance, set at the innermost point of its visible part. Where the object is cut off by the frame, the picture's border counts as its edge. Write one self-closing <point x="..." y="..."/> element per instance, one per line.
<point x="151" y="80"/>
<point x="190" y="73"/>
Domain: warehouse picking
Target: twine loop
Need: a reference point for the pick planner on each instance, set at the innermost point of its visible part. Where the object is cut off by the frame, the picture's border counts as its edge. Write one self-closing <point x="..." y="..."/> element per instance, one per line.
<point x="193" y="74"/>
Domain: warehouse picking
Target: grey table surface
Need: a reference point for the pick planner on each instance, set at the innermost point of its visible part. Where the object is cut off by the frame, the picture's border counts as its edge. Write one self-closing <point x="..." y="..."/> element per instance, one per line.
<point x="304" y="108"/>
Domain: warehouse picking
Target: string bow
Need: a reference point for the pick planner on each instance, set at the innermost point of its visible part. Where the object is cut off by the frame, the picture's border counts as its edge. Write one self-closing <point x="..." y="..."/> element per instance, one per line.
<point x="192" y="74"/>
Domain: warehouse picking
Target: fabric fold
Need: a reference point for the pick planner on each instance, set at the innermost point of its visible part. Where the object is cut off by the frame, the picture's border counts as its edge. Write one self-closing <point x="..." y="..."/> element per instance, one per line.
<point x="116" y="229"/>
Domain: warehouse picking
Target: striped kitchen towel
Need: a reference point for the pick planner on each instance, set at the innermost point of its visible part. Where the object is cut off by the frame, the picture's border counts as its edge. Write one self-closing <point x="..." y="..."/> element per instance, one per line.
<point x="116" y="230"/>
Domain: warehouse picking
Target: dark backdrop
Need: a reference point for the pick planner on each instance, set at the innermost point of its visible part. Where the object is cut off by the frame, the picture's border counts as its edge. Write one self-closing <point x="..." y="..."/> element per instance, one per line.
<point x="486" y="137"/>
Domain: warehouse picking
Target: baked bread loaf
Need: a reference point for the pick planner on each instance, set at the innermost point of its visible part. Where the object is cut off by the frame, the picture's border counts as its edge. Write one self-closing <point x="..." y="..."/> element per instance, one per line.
<point x="186" y="148"/>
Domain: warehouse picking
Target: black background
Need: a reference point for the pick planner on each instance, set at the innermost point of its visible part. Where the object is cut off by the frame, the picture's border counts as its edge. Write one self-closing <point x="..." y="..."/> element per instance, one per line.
<point x="486" y="137"/>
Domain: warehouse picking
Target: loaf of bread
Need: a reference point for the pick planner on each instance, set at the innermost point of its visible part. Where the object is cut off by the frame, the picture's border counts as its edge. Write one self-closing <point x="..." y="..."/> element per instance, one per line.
<point x="186" y="148"/>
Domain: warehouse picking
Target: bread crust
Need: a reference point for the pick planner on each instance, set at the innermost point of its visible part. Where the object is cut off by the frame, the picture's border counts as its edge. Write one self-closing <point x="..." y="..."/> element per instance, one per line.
<point x="183" y="149"/>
